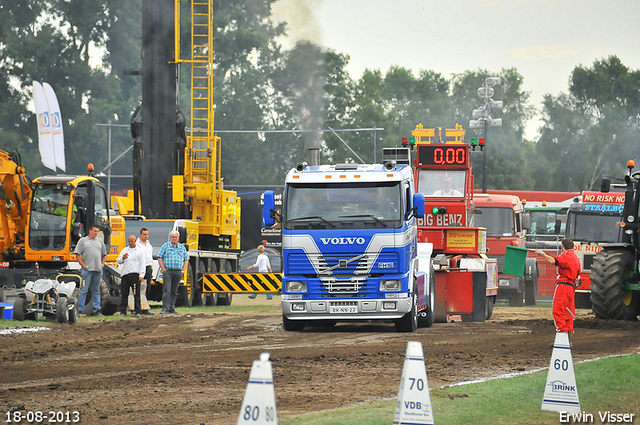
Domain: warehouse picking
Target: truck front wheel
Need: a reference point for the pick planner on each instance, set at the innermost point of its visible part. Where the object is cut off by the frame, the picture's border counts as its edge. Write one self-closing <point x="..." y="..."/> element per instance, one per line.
<point x="425" y="317"/>
<point x="409" y="322"/>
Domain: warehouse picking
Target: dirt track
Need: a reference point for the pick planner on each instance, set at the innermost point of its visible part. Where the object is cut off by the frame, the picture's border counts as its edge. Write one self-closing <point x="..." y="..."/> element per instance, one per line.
<point x="193" y="369"/>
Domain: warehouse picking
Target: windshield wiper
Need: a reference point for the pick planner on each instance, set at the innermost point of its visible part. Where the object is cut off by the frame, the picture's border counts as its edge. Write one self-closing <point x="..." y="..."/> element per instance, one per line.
<point x="313" y="217"/>
<point x="365" y="216"/>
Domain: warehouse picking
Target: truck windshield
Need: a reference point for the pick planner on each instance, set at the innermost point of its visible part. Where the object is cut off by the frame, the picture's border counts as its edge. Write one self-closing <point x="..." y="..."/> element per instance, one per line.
<point x="498" y="221"/>
<point x="347" y="205"/>
<point x="544" y="223"/>
<point x="439" y="183"/>
<point x="47" y="227"/>
<point x="593" y="227"/>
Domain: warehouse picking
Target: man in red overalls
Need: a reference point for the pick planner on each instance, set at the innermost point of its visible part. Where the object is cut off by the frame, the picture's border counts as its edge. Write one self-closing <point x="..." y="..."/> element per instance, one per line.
<point x="564" y="306"/>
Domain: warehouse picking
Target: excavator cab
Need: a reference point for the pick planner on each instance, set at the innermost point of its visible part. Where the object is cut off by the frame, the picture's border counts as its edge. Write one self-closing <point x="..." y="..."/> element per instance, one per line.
<point x="62" y="210"/>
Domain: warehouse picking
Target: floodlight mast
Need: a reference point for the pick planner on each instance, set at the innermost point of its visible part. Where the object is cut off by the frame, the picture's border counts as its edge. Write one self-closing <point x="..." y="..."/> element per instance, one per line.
<point x="482" y="118"/>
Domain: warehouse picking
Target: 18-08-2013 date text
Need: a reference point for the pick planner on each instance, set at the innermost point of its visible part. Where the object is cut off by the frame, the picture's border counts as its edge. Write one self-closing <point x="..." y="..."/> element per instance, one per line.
<point x="39" y="417"/>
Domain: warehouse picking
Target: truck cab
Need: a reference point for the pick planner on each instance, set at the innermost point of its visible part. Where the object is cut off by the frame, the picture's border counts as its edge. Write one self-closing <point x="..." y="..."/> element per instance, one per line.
<point x="591" y="223"/>
<point x="349" y="243"/>
<point x="506" y="224"/>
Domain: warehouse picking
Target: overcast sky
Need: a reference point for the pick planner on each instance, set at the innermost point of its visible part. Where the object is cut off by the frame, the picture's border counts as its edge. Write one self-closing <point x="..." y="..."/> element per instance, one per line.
<point x="543" y="39"/>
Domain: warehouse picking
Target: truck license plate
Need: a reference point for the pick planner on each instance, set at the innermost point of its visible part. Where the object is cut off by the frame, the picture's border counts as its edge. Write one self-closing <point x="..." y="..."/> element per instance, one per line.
<point x="344" y="309"/>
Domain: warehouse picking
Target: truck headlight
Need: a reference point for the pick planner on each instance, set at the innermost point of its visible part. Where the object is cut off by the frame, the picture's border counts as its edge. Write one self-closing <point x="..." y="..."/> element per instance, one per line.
<point x="389" y="305"/>
<point x="503" y="282"/>
<point x="298" y="307"/>
<point x="390" y="285"/>
<point x="296" y="286"/>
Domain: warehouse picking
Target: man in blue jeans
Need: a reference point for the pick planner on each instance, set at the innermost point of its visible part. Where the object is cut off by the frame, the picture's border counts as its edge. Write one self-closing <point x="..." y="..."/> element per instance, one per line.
<point x="91" y="253"/>
<point x="172" y="259"/>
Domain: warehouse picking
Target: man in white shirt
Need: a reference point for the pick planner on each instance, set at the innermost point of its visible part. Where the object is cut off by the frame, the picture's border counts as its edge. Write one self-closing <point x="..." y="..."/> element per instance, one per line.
<point x="263" y="265"/>
<point x="133" y="270"/>
<point x="146" y="247"/>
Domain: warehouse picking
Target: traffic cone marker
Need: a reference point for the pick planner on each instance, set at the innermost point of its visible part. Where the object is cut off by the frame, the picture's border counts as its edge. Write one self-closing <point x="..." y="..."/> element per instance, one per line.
<point x="259" y="402"/>
<point x="561" y="391"/>
<point x="414" y="400"/>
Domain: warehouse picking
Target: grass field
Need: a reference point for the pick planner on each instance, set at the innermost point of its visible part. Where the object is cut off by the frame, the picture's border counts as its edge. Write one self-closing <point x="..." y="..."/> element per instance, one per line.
<point x="611" y="384"/>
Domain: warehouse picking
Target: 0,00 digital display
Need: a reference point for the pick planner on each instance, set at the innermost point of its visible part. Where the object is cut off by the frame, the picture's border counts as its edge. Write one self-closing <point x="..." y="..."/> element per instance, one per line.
<point x="443" y="155"/>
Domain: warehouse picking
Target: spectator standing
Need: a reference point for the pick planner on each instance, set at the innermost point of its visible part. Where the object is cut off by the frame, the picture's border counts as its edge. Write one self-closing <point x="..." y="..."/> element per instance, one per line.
<point x="263" y="265"/>
<point x="91" y="253"/>
<point x="133" y="270"/>
<point x="564" y="306"/>
<point x="146" y="247"/>
<point x="173" y="260"/>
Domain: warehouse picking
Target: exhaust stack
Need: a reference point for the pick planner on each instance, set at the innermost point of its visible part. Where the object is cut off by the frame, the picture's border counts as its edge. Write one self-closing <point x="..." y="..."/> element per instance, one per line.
<point x="314" y="156"/>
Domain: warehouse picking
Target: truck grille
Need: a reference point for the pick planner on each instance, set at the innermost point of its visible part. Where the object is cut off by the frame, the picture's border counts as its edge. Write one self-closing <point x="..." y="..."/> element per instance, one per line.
<point x="500" y="259"/>
<point x="342" y="288"/>
<point x="341" y="264"/>
<point x="343" y="303"/>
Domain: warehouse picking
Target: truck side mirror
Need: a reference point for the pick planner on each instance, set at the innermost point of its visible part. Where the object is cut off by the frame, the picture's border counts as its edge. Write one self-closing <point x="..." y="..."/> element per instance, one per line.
<point x="557" y="227"/>
<point x="182" y="232"/>
<point x="526" y="221"/>
<point x="418" y="205"/>
<point x="605" y="185"/>
<point x="268" y="209"/>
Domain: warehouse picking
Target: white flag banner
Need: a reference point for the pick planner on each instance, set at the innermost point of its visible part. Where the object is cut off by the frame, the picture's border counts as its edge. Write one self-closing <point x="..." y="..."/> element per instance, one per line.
<point x="45" y="135"/>
<point x="56" y="126"/>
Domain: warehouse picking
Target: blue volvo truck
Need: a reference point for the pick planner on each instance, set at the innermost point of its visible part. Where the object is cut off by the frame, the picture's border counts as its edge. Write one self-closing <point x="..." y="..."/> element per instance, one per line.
<point x="349" y="245"/>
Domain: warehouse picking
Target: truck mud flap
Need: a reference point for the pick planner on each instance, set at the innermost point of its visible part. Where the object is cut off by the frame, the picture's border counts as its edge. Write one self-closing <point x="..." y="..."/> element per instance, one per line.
<point x="479" y="299"/>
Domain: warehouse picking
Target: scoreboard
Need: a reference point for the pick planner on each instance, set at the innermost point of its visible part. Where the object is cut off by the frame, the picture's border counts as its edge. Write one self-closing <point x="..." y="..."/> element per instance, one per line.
<point x="449" y="155"/>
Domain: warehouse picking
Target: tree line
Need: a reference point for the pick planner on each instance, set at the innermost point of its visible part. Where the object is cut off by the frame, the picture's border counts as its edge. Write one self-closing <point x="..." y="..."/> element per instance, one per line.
<point x="587" y="132"/>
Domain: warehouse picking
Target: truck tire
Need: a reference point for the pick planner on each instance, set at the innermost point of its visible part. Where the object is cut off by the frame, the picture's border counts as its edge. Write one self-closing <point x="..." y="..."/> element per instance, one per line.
<point x="607" y="273"/>
<point x="517" y="297"/>
<point x="184" y="296"/>
<point x="19" y="309"/>
<point x="199" y="297"/>
<point x="62" y="310"/>
<point x="490" y="301"/>
<point x="108" y="303"/>
<point x="292" y="325"/>
<point x="425" y="318"/>
<point x="409" y="322"/>
<point x="530" y="292"/>
<point x="187" y="292"/>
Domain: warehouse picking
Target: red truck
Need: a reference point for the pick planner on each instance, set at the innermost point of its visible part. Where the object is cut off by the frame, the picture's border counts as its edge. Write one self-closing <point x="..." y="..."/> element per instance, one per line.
<point x="466" y="284"/>
<point x="506" y="222"/>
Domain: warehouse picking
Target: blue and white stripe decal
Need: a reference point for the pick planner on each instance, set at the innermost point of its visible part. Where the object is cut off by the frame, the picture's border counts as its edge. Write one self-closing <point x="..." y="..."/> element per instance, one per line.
<point x="379" y="241"/>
